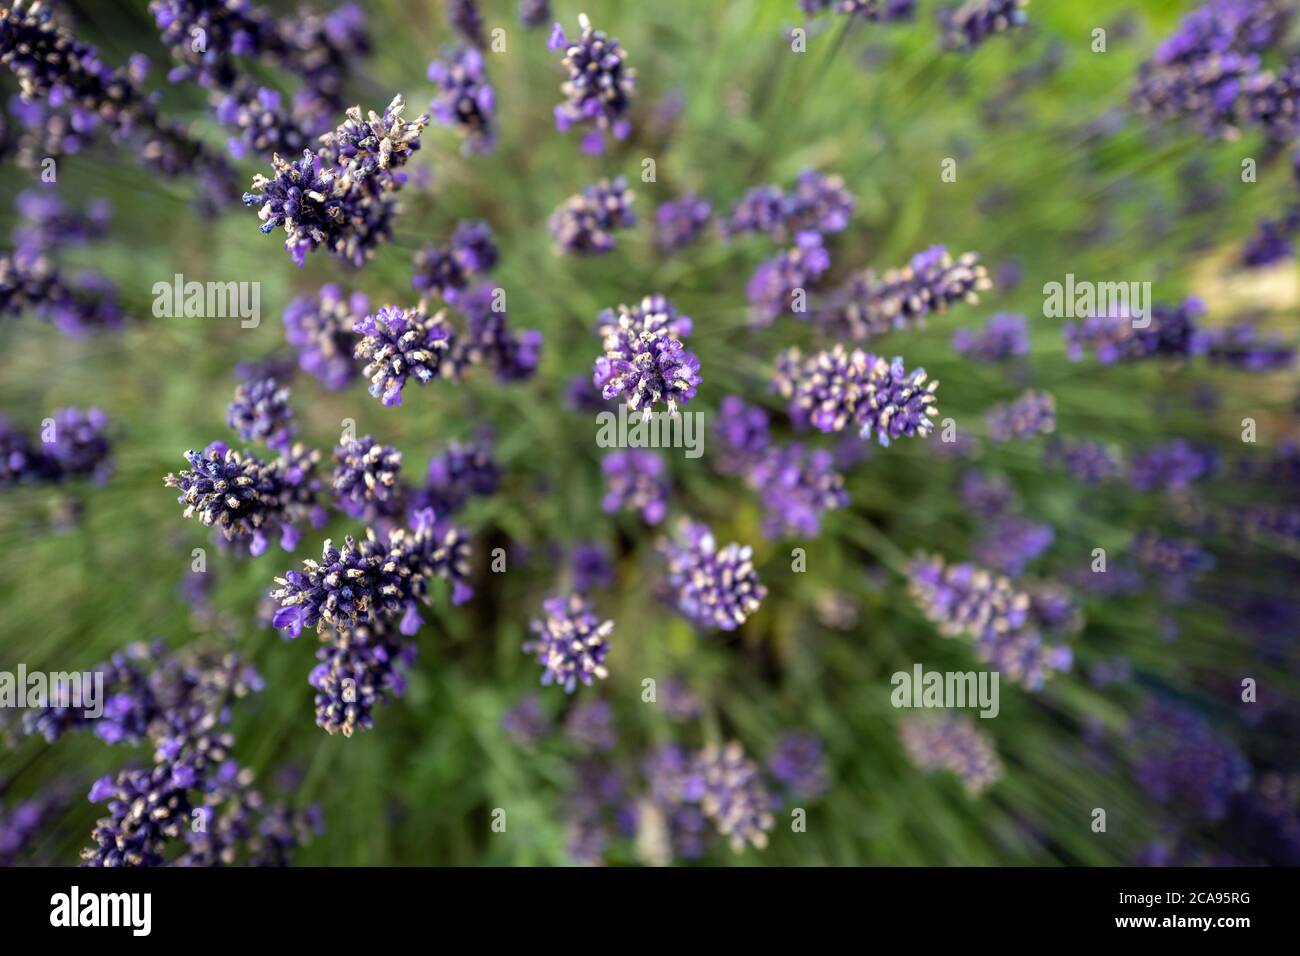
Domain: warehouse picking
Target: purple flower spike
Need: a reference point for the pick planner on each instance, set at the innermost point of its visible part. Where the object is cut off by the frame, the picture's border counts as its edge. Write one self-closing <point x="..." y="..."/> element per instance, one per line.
<point x="951" y="743"/>
<point x="635" y="481"/>
<point x="974" y="21"/>
<point x="261" y="413"/>
<point x="680" y="222"/>
<point x="1030" y="415"/>
<point x="320" y="328"/>
<point x="466" y="100"/>
<point x="584" y="224"/>
<point x="449" y="271"/>
<point x="571" y="643"/>
<point x="645" y="360"/>
<point x="365" y="481"/>
<point x="398" y="344"/>
<point x="599" y="87"/>
<point x="831" y="390"/>
<point x="714" y="588"/>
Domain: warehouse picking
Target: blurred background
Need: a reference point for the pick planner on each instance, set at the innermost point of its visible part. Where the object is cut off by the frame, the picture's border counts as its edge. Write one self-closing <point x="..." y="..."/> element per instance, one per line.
<point x="1056" y="174"/>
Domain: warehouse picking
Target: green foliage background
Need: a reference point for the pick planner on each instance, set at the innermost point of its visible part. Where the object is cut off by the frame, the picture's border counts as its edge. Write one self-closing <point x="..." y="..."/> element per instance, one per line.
<point x="882" y="106"/>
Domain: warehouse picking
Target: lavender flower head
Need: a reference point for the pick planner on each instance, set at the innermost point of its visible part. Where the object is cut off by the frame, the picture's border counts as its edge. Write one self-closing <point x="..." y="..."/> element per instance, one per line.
<point x="591" y="566"/>
<point x="1004" y="336"/>
<point x="237" y="494"/>
<point x="1030" y="415"/>
<point x="796" y="485"/>
<point x="599" y="88"/>
<point x="780" y="285"/>
<point x="320" y="327"/>
<point x="365" y="480"/>
<point x="679" y="222"/>
<point x="261" y="413"/>
<point x="590" y="724"/>
<point x="466" y="99"/>
<point x="571" y="643"/>
<point x="735" y="796"/>
<point x="526" y="722"/>
<point x="645" y="360"/>
<point x="712" y="587"/>
<point x="1004" y="620"/>
<point x="799" y="762"/>
<point x="448" y="271"/>
<point x="1011" y="542"/>
<point x="399" y="344"/>
<point x="584" y="223"/>
<point x="831" y="390"/>
<point x="1090" y="462"/>
<point x="358" y="670"/>
<point x="76" y="445"/>
<point x="1178" y="759"/>
<point x="974" y="21"/>
<point x="953" y="744"/>
<point x="467" y="20"/>
<point x="1171" y="466"/>
<point x="340" y="591"/>
<point x="869" y="305"/>
<point x="635" y="481"/>
<point x="533" y="13"/>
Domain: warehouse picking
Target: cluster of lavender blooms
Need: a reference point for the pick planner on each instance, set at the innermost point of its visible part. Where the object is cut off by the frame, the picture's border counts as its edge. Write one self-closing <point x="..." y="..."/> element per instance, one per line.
<point x="1241" y="347"/>
<point x="873" y="11"/>
<point x="1178" y="759"/>
<point x="679" y="800"/>
<point x="340" y="198"/>
<point x="399" y="345"/>
<point x="646" y="361"/>
<point x="466" y="100"/>
<point x="571" y="642"/>
<point x="796" y="485"/>
<point x="30" y="278"/>
<point x="971" y="22"/>
<point x="534" y="13"/>
<point x="1030" y="415"/>
<point x="599" y="88"/>
<point x="448" y="271"/>
<point x="1272" y="241"/>
<point x="195" y="806"/>
<point x="635" y="481"/>
<point x="358" y="670"/>
<point x="1170" y="332"/>
<point x="798" y="762"/>
<point x="780" y="285"/>
<point x="461" y="471"/>
<point x="680" y="222"/>
<point x="1171" y="466"/>
<point x="243" y="497"/>
<point x="817" y="203"/>
<point x="214" y="45"/>
<point x="261" y="413"/>
<point x="712" y="587"/>
<point x="69" y="94"/>
<point x="74" y="446"/>
<point x="1083" y="459"/>
<point x="320" y="327"/>
<point x="590" y="725"/>
<point x="1011" y="542"/>
<point x="954" y="744"/>
<point x="834" y="389"/>
<point x="22" y="823"/>
<point x="584" y="223"/>
<point x="365" y="479"/>
<point x="868" y="305"/>
<point x="591" y="567"/>
<point x="1007" y="622"/>
<point x="1210" y="71"/>
<point x="466" y="19"/>
<point x="1005" y="336"/>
